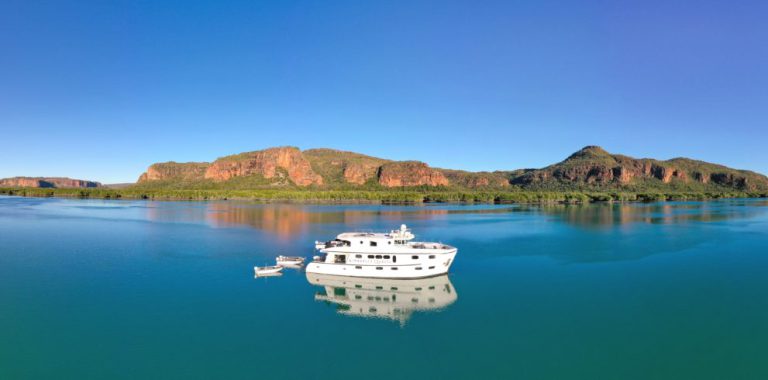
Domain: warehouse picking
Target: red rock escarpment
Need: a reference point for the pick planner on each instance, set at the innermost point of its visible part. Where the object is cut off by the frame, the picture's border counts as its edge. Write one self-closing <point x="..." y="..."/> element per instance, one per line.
<point x="265" y="163"/>
<point x="410" y="173"/>
<point x="360" y="173"/>
<point x="47" y="182"/>
<point x="164" y="171"/>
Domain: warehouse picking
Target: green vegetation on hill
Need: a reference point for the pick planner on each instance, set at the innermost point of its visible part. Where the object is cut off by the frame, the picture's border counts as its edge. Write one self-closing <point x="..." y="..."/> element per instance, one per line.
<point x="380" y="196"/>
<point x="286" y="173"/>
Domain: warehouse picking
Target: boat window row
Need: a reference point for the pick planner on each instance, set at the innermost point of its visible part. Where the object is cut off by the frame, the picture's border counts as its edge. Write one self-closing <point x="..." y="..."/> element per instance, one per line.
<point x="385" y="257"/>
<point x="416" y="257"/>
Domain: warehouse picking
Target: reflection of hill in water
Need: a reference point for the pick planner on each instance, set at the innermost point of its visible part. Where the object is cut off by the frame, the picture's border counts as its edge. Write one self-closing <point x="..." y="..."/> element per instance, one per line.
<point x="287" y="220"/>
<point x="395" y="300"/>
<point x="615" y="214"/>
<point x="612" y="231"/>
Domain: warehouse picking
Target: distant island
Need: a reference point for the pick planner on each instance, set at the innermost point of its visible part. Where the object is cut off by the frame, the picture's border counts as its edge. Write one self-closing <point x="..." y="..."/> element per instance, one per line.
<point x="287" y="173"/>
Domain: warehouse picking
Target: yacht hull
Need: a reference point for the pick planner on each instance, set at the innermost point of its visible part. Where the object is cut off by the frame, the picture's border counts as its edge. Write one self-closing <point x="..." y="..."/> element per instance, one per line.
<point x="428" y="268"/>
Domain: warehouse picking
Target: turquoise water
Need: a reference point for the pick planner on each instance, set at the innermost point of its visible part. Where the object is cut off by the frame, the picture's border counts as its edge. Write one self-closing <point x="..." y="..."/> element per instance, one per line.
<point x="123" y="289"/>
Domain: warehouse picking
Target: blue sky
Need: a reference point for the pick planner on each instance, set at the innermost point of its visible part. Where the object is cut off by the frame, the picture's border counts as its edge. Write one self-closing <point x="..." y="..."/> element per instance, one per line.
<point x="102" y="89"/>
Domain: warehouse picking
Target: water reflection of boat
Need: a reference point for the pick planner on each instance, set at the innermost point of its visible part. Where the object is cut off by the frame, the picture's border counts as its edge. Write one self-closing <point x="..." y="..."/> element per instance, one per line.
<point x="289" y="261"/>
<point x="393" y="299"/>
<point x="267" y="271"/>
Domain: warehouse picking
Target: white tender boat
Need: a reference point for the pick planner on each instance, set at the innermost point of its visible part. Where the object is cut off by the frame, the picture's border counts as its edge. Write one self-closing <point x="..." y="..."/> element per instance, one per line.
<point x="382" y="255"/>
<point x="289" y="260"/>
<point x="268" y="270"/>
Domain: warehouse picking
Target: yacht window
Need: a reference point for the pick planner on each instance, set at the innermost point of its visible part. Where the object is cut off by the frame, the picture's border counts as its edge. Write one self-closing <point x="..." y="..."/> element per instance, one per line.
<point x="359" y="286"/>
<point x="379" y="288"/>
<point x="418" y="289"/>
<point x="394" y="258"/>
<point x="394" y="268"/>
<point x="431" y="288"/>
<point x="379" y="268"/>
<point x="373" y="244"/>
<point x="358" y="267"/>
<point x="415" y="300"/>
<point x="415" y="257"/>
<point x="357" y="297"/>
<point x="431" y="256"/>
<point x="370" y="256"/>
<point x="432" y="268"/>
<point x="418" y="268"/>
<point x="386" y="257"/>
<point x="378" y="256"/>
<point x="359" y="256"/>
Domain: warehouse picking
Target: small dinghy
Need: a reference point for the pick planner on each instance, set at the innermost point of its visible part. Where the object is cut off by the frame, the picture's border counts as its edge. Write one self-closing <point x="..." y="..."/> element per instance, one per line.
<point x="266" y="271"/>
<point x="289" y="260"/>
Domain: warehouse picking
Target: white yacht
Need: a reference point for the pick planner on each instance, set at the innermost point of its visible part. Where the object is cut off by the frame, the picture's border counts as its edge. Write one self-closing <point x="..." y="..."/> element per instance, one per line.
<point x="391" y="299"/>
<point x="382" y="255"/>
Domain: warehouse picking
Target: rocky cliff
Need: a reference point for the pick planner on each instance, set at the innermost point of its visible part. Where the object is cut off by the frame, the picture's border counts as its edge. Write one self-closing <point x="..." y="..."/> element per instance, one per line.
<point x="410" y="173"/>
<point x="337" y="166"/>
<point x="47" y="182"/>
<point x="266" y="163"/>
<point x="174" y="171"/>
<point x="590" y="168"/>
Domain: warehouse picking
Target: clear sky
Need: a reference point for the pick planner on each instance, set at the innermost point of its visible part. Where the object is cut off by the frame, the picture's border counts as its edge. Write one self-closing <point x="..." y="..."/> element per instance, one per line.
<point x="101" y="89"/>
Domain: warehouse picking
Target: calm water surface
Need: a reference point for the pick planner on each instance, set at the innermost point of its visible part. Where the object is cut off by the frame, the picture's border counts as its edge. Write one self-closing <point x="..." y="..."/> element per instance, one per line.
<point x="122" y="289"/>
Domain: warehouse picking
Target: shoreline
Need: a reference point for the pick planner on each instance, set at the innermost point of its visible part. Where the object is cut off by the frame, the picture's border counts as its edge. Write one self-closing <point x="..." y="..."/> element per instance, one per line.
<point x="380" y="197"/>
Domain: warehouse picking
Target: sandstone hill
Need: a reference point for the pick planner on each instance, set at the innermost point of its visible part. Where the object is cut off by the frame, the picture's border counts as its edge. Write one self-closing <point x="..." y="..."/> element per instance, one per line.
<point x="591" y="168"/>
<point x="47" y="182"/>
